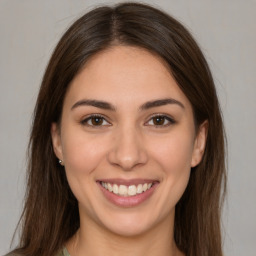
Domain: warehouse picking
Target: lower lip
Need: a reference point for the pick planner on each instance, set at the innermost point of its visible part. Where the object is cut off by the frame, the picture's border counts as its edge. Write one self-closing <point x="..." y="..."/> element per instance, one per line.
<point x="128" y="201"/>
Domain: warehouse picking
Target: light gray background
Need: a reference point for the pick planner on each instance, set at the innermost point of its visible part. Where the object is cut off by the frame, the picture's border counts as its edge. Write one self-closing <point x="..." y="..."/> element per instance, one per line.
<point x="226" y="31"/>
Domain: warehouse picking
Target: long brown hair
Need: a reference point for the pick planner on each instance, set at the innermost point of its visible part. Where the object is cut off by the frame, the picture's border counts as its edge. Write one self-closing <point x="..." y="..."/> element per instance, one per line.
<point x="50" y="215"/>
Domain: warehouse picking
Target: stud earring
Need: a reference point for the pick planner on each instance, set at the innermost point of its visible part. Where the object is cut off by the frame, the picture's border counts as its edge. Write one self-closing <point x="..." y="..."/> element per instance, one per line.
<point x="60" y="162"/>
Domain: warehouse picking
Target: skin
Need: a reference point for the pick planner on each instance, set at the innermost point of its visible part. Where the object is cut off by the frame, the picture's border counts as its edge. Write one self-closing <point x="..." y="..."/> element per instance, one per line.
<point x="128" y="144"/>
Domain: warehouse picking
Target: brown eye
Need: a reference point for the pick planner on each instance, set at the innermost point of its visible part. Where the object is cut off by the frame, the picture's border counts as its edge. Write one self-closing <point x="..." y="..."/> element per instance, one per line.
<point x="158" y="120"/>
<point x="97" y="120"/>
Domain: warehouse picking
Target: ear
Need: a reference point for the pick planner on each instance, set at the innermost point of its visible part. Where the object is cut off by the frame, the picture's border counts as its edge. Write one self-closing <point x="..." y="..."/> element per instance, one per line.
<point x="199" y="145"/>
<point x="56" y="141"/>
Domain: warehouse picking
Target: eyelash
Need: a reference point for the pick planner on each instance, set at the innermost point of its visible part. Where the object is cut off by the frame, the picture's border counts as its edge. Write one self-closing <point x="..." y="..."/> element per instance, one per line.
<point x="85" y="121"/>
<point x="170" y="120"/>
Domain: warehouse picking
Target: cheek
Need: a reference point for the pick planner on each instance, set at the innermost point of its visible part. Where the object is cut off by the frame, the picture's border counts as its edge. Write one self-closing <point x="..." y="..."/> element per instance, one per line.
<point x="82" y="153"/>
<point x="174" y="153"/>
<point x="173" y="157"/>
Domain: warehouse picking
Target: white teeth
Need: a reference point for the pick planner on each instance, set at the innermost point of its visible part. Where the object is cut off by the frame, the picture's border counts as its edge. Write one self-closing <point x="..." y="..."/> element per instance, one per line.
<point x="110" y="187"/>
<point x="132" y="190"/>
<point x="145" y="187"/>
<point x="124" y="190"/>
<point x="139" y="189"/>
<point x="115" y="189"/>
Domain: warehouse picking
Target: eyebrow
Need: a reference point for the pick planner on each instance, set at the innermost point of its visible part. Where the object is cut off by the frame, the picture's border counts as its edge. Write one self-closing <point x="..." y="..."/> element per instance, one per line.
<point x="108" y="106"/>
<point x="160" y="102"/>
<point x="94" y="103"/>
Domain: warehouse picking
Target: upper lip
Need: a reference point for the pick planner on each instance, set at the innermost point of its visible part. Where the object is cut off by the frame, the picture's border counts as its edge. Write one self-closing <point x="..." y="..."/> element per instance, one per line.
<point x="128" y="182"/>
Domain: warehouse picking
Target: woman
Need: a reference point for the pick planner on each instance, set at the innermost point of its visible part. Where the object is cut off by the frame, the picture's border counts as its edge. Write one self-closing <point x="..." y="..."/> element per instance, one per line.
<point x="127" y="144"/>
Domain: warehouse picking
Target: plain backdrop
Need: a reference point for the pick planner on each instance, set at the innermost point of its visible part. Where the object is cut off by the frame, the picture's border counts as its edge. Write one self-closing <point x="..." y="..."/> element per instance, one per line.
<point x="226" y="32"/>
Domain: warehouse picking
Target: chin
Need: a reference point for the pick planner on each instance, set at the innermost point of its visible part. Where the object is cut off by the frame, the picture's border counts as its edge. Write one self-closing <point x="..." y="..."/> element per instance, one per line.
<point x="128" y="229"/>
<point x="130" y="224"/>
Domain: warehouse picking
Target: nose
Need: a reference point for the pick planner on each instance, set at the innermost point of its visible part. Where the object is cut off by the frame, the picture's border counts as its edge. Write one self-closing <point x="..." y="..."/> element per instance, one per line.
<point x="128" y="149"/>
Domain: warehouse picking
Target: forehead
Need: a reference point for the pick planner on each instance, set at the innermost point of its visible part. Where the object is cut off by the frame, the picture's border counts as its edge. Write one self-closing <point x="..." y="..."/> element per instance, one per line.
<point x="125" y="74"/>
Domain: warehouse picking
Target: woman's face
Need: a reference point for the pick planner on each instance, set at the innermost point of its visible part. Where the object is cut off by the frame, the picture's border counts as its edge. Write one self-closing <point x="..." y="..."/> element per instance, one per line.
<point x="128" y="127"/>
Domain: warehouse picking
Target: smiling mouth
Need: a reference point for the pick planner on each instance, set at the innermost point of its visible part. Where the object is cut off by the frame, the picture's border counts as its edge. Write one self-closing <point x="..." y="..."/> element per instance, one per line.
<point x="128" y="190"/>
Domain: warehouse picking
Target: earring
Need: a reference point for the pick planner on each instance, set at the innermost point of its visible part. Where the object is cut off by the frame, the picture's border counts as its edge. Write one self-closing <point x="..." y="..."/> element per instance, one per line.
<point x="60" y="162"/>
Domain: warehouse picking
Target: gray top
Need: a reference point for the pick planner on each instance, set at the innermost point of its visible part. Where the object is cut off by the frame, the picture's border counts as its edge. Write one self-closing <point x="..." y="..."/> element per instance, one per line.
<point x="63" y="252"/>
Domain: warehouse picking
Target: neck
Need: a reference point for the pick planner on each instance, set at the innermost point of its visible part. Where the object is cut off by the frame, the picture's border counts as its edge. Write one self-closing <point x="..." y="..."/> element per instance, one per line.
<point x="91" y="239"/>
